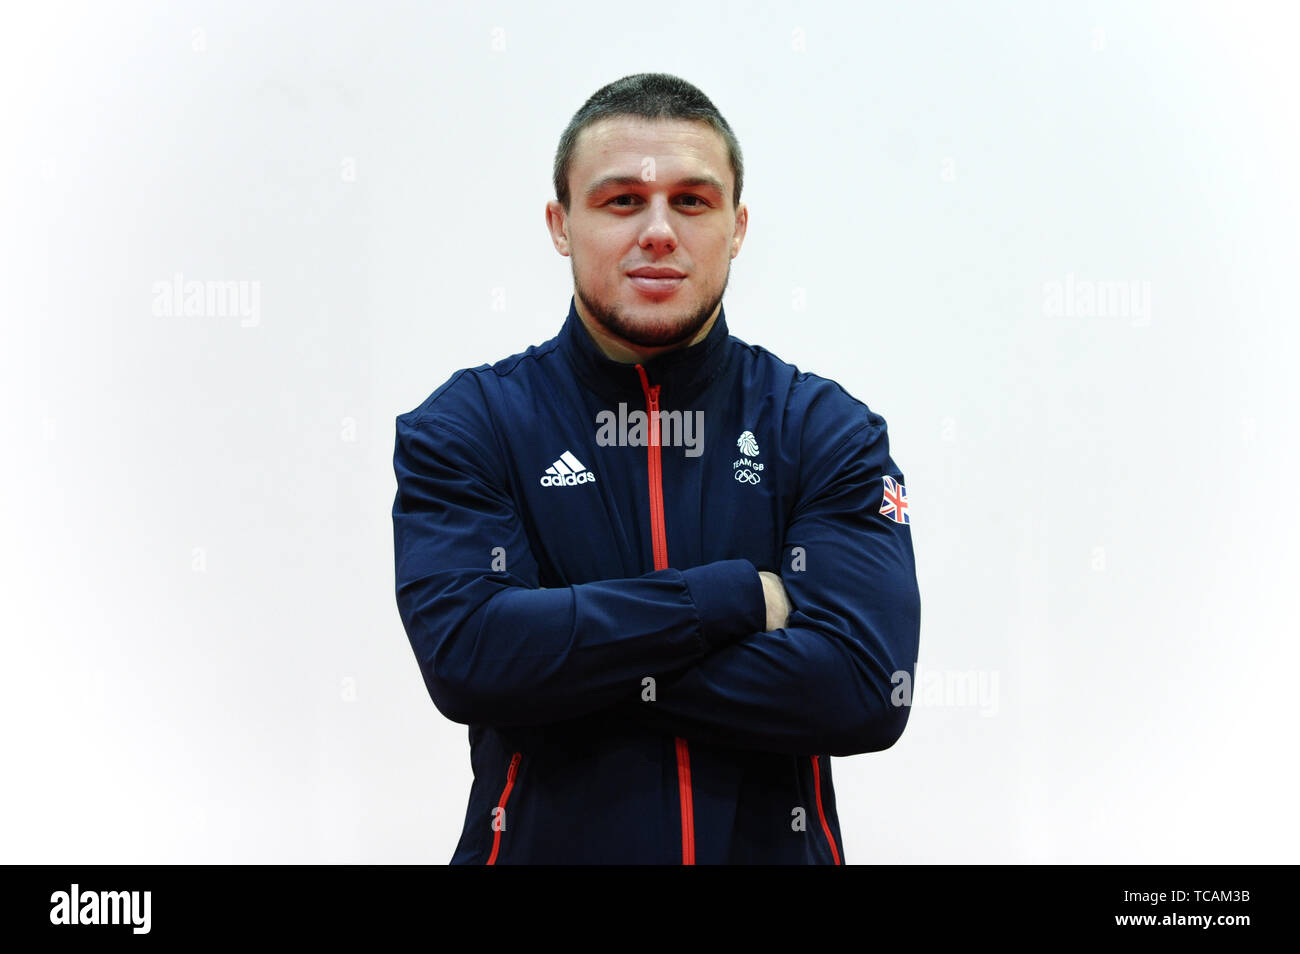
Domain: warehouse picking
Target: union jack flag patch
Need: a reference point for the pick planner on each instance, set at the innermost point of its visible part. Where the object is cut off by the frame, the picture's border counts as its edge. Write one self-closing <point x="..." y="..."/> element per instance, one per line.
<point x="894" y="506"/>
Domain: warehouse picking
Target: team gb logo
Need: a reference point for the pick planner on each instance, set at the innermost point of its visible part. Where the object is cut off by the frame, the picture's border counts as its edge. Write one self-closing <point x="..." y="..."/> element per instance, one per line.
<point x="747" y="444"/>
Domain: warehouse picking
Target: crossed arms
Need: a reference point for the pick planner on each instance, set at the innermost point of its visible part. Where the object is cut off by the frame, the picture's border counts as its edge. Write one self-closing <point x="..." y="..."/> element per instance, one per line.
<point x="496" y="648"/>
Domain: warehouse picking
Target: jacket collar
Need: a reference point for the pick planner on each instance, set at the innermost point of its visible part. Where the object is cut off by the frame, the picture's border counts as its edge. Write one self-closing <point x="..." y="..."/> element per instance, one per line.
<point x="683" y="373"/>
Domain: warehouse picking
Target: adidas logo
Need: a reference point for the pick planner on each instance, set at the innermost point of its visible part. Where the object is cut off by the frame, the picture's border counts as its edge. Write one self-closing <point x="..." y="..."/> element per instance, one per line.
<point x="568" y="471"/>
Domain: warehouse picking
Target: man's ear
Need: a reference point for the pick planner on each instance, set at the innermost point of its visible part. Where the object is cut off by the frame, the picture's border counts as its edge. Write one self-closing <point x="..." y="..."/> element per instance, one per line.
<point x="742" y="226"/>
<point x="557" y="224"/>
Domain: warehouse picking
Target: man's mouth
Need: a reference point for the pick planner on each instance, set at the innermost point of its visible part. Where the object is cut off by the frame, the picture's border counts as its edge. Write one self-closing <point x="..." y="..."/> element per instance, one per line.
<point x="656" y="282"/>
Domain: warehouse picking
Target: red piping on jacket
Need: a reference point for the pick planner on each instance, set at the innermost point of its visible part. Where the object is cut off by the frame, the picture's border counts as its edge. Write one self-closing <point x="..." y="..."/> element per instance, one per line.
<point x="505" y="794"/>
<point x="817" y="786"/>
<point x="659" y="543"/>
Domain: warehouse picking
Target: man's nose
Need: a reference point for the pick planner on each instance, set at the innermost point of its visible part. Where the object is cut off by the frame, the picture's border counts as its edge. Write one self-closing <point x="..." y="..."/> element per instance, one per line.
<point x="658" y="229"/>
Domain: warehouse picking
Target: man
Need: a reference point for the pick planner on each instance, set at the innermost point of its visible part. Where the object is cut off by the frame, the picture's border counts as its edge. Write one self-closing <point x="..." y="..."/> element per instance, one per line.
<point x="661" y="574"/>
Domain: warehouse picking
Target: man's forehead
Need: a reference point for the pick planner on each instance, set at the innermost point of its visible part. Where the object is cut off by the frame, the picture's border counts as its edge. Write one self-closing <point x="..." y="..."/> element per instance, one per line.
<point x="634" y="137"/>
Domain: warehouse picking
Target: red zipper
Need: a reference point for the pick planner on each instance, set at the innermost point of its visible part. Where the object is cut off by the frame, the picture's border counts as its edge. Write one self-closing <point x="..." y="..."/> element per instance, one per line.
<point x="505" y="794"/>
<point x="659" y="543"/>
<point x="657" y="534"/>
<point x="817" y="786"/>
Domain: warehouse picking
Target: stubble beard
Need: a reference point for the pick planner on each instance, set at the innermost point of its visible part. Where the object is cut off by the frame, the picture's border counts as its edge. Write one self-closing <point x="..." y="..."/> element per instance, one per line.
<point x="655" y="333"/>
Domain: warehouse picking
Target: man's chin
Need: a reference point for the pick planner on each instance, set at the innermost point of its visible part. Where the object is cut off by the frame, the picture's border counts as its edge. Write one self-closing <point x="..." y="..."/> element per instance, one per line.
<point x="648" y="325"/>
<point x="653" y="331"/>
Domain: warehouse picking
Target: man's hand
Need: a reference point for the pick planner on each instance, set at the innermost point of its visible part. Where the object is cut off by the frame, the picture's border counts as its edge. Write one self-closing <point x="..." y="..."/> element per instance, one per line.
<point x="778" y="603"/>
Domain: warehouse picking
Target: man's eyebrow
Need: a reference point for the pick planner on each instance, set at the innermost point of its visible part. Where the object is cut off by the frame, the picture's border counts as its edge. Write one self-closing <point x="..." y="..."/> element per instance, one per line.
<point x="686" y="183"/>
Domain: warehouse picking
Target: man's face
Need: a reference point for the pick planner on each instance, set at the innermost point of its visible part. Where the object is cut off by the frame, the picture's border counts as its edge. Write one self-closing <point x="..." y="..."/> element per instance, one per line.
<point x="649" y="194"/>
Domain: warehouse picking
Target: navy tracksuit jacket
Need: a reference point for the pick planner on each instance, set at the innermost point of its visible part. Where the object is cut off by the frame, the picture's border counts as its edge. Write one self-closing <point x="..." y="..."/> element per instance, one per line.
<point x="580" y="588"/>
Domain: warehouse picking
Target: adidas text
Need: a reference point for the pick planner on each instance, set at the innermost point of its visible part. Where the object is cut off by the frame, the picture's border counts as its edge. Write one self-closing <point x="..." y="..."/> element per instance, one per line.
<point x="568" y="480"/>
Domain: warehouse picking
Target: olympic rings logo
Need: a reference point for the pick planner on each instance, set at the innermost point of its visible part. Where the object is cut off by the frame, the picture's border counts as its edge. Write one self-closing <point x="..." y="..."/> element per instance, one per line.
<point x="747" y="477"/>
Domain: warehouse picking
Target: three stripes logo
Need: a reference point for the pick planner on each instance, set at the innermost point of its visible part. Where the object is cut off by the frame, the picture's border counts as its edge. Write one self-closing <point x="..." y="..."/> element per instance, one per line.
<point x="567" y="471"/>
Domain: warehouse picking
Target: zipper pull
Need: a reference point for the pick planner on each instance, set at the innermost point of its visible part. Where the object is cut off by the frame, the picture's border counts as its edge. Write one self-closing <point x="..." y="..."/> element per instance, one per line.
<point x="652" y="405"/>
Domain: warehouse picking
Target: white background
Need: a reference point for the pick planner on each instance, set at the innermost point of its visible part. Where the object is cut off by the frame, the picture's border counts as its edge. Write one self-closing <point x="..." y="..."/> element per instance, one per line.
<point x="203" y="656"/>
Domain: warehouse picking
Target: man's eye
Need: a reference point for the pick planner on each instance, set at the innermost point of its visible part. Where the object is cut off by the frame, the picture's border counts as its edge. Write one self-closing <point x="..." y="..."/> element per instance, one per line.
<point x="698" y="202"/>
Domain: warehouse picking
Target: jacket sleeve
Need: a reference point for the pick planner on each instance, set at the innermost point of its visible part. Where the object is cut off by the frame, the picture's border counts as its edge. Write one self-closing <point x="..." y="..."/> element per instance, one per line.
<point x="493" y="646"/>
<point x="824" y="683"/>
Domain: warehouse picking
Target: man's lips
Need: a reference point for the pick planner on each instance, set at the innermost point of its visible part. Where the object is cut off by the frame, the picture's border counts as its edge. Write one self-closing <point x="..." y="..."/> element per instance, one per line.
<point x="656" y="271"/>
<point x="656" y="281"/>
